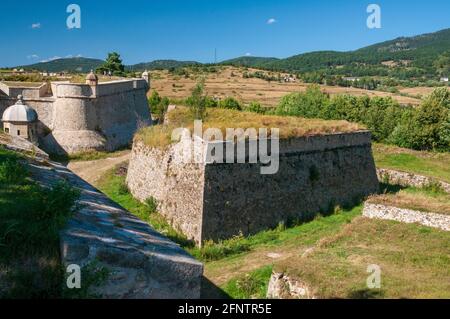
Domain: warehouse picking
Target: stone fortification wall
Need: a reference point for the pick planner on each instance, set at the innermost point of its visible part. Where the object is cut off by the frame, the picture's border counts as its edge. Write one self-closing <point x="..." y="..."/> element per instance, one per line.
<point x="217" y="201"/>
<point x="79" y="117"/>
<point x="102" y="117"/>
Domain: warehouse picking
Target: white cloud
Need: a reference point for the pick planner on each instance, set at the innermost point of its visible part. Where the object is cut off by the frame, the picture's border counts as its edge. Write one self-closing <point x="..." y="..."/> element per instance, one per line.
<point x="271" y="21"/>
<point x="248" y="54"/>
<point x="33" y="56"/>
<point x="36" y="25"/>
<point x="51" y="59"/>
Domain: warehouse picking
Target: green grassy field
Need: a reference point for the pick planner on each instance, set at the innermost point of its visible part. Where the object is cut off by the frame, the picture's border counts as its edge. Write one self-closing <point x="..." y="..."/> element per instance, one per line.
<point x="414" y="262"/>
<point x="436" y="165"/>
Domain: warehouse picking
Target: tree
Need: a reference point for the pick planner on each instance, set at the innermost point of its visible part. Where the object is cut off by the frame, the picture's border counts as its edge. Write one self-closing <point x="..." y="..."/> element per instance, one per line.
<point x="158" y="105"/>
<point x="113" y="64"/>
<point x="198" y="101"/>
<point x="442" y="64"/>
<point x="230" y="103"/>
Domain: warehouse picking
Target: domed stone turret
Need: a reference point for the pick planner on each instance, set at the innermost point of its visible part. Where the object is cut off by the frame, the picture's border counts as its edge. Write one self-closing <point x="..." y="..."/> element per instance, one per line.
<point x="92" y="78"/>
<point x="146" y="77"/>
<point x="20" y="120"/>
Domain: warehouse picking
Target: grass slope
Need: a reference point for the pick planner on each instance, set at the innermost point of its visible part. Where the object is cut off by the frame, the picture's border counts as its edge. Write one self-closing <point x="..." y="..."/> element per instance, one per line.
<point x="430" y="164"/>
<point x="414" y="262"/>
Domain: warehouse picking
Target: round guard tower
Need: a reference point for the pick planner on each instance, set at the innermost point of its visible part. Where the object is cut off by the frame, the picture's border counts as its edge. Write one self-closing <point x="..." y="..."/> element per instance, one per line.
<point x="75" y="118"/>
<point x="21" y="120"/>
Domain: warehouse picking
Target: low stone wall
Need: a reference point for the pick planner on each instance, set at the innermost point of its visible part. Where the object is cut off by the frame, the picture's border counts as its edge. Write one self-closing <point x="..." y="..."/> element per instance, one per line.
<point x="141" y="263"/>
<point x="408" y="179"/>
<point x="212" y="201"/>
<point x="284" y="287"/>
<point x="403" y="215"/>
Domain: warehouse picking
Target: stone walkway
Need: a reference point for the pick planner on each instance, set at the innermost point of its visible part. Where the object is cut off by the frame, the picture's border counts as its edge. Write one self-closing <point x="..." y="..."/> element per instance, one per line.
<point x="141" y="262"/>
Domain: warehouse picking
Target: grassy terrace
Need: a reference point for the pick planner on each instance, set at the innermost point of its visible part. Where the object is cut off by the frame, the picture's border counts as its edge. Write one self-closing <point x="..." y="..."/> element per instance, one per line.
<point x="23" y="84"/>
<point x="426" y="199"/>
<point x="160" y="135"/>
<point x="430" y="164"/>
<point x="414" y="262"/>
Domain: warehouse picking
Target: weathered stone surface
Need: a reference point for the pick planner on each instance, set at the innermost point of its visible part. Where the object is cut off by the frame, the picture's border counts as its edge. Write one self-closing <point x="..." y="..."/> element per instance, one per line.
<point x="79" y="117"/>
<point x="408" y="179"/>
<point x="403" y="215"/>
<point x="217" y="201"/>
<point x="141" y="262"/>
<point x="282" y="286"/>
<point x="18" y="144"/>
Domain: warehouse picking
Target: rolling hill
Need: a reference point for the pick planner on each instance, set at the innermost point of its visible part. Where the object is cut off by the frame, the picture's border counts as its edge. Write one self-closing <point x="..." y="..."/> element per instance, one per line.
<point x="413" y="55"/>
<point x="69" y="64"/>
<point x="249" y="61"/>
<point x="420" y="51"/>
<point x="160" y="65"/>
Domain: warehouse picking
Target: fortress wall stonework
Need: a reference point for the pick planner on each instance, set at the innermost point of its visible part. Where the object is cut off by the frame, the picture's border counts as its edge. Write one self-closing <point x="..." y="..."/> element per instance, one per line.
<point x="85" y="118"/>
<point x="213" y="201"/>
<point x="177" y="188"/>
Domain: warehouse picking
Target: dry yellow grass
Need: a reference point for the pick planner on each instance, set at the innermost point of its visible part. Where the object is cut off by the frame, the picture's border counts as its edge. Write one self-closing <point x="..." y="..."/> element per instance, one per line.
<point x="23" y="84"/>
<point x="229" y="81"/>
<point x="222" y="119"/>
<point x="416" y="200"/>
<point x="418" y="91"/>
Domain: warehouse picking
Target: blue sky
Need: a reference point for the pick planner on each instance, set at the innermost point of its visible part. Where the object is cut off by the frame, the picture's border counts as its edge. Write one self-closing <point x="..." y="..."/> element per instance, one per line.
<point x="145" y="30"/>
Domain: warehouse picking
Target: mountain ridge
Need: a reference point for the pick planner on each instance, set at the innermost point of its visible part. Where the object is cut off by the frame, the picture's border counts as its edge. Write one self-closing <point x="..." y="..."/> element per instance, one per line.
<point x="420" y="51"/>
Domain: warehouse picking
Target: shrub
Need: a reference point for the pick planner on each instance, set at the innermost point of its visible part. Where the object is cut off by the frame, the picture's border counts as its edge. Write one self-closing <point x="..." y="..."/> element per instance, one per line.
<point x="255" y="107"/>
<point x="424" y="128"/>
<point x="12" y="172"/>
<point x="152" y="204"/>
<point x="230" y="103"/>
<point x="56" y="203"/>
<point x="198" y="101"/>
<point x="307" y="104"/>
<point x="158" y="105"/>
<point x="215" y="251"/>
<point x="123" y="188"/>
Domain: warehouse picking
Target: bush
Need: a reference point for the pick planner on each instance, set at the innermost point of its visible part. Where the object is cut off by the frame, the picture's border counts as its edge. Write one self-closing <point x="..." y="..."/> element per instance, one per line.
<point x="56" y="204"/>
<point x="423" y="128"/>
<point x="307" y="104"/>
<point x="12" y="172"/>
<point x="198" y="101"/>
<point x="152" y="204"/>
<point x="215" y="251"/>
<point x="230" y="103"/>
<point x="255" y="107"/>
<point x="123" y="188"/>
<point x="158" y="105"/>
